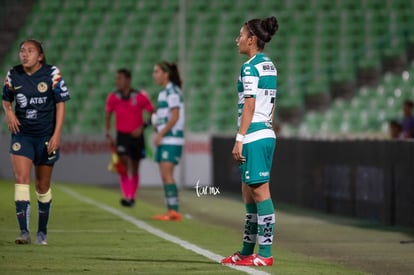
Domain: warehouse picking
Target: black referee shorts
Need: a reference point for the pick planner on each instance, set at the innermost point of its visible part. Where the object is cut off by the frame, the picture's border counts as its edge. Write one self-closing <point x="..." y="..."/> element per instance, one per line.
<point x="130" y="146"/>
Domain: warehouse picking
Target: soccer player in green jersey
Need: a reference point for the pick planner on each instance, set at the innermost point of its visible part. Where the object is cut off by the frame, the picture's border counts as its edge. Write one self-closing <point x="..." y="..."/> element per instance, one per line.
<point x="170" y="133"/>
<point x="256" y="141"/>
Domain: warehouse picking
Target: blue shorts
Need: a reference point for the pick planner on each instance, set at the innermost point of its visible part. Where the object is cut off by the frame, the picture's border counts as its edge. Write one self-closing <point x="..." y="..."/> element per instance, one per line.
<point x="33" y="148"/>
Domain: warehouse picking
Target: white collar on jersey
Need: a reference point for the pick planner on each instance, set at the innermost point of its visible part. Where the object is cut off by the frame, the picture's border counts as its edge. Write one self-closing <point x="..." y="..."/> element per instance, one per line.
<point x="253" y="57"/>
<point x="169" y="85"/>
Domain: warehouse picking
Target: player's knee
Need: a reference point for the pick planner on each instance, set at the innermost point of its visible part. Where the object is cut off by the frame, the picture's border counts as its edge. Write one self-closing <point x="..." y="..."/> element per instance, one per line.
<point x="164" y="178"/>
<point x="134" y="171"/>
<point x="42" y="189"/>
<point x="42" y="186"/>
<point x="259" y="193"/>
<point x="167" y="177"/>
<point x="22" y="178"/>
<point x="124" y="159"/>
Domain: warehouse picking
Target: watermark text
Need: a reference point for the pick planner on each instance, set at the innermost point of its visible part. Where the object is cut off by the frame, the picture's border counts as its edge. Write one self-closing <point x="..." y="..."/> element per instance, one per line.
<point x="206" y="190"/>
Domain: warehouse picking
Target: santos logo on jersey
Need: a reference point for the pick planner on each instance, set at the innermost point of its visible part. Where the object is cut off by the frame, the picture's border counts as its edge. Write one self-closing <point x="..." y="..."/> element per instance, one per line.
<point x="247" y="71"/>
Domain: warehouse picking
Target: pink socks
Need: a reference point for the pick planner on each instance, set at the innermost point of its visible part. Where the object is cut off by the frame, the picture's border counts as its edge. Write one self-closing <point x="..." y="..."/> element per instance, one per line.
<point x="129" y="186"/>
<point x="124" y="182"/>
<point x="134" y="185"/>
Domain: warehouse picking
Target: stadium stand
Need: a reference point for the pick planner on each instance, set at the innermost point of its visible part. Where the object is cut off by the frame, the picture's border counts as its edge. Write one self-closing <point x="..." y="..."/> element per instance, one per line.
<point x="12" y="18"/>
<point x="344" y="66"/>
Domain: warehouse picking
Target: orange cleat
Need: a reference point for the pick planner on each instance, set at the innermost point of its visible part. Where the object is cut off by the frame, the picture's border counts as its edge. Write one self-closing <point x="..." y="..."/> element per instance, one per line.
<point x="255" y="260"/>
<point x="171" y="215"/>
<point x="233" y="259"/>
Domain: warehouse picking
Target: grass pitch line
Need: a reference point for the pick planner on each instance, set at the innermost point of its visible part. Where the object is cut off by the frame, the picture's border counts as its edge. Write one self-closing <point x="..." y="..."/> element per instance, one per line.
<point x="157" y="232"/>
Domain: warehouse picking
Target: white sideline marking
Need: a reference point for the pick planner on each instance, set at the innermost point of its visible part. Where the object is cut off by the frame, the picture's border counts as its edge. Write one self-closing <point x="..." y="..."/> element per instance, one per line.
<point x="159" y="233"/>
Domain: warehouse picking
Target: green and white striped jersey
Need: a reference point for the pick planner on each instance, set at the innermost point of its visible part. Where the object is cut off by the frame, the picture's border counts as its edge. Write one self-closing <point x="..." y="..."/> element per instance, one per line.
<point x="258" y="79"/>
<point x="171" y="97"/>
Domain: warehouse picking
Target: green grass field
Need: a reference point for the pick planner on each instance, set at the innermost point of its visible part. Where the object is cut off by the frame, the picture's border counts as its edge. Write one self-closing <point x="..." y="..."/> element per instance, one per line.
<point x="84" y="238"/>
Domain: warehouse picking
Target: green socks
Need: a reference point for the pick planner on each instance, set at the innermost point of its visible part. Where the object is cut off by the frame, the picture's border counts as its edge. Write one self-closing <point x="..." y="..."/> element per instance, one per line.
<point x="171" y="196"/>
<point x="266" y="227"/>
<point x="260" y="224"/>
<point x="250" y="230"/>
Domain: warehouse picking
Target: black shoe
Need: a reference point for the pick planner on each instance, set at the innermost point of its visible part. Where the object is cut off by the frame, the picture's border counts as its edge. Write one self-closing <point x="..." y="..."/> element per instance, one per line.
<point x="127" y="202"/>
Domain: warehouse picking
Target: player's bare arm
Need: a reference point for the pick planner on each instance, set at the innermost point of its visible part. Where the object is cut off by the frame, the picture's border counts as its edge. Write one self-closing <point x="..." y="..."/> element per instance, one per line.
<point x="108" y="117"/>
<point x="13" y="122"/>
<point x="246" y="119"/>
<point x="54" y="141"/>
<point x="175" y="116"/>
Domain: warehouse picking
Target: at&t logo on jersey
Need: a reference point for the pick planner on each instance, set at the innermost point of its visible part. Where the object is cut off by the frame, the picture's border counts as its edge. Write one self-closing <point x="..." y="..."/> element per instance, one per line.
<point x="21" y="100"/>
<point x="38" y="100"/>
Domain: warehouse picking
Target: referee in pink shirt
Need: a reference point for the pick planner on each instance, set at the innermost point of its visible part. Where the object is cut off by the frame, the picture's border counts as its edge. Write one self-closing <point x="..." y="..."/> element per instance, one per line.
<point x="128" y="105"/>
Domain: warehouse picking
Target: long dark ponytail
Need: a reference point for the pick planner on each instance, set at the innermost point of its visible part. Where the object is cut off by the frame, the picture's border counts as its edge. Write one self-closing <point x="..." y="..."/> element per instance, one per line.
<point x="173" y="72"/>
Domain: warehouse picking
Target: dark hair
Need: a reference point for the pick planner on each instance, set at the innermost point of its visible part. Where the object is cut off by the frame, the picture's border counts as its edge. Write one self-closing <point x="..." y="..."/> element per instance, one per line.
<point x="38" y="46"/>
<point x="409" y="103"/>
<point x="125" y="72"/>
<point x="173" y="72"/>
<point x="263" y="29"/>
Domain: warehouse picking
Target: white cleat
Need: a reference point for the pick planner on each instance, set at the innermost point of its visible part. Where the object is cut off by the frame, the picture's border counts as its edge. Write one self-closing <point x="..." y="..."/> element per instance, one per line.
<point x="41" y="238"/>
<point x="24" y="238"/>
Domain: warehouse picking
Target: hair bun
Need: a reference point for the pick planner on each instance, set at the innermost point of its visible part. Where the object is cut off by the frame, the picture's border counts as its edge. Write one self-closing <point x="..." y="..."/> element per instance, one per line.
<point x="270" y="25"/>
